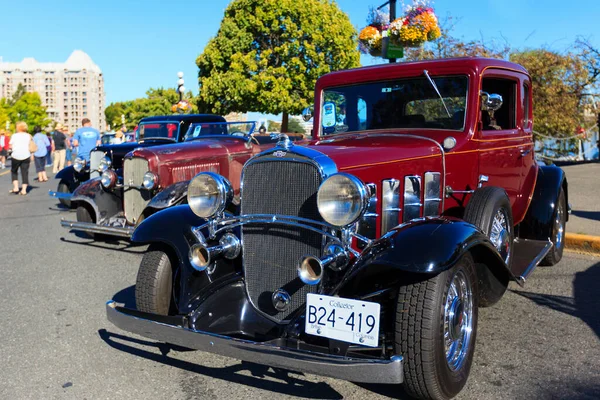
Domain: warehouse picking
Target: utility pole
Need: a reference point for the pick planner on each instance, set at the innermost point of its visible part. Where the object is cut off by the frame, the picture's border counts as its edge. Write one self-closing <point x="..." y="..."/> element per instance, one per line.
<point x="392" y="4"/>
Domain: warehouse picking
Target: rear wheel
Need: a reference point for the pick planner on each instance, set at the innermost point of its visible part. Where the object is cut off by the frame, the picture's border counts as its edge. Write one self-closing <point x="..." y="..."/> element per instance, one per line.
<point x="436" y="326"/>
<point x="63" y="187"/>
<point x="558" y="232"/>
<point x="154" y="284"/>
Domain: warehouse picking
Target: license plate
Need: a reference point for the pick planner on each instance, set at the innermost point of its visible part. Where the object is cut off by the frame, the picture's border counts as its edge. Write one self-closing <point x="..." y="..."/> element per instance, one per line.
<point x="351" y="321"/>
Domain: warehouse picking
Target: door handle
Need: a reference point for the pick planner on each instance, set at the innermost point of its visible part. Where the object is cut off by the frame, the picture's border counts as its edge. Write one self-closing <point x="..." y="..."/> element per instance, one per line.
<point x="524" y="152"/>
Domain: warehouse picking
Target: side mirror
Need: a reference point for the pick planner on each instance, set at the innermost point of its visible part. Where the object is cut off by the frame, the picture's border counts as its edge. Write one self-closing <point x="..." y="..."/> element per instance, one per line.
<point x="491" y="102"/>
<point x="307" y="114"/>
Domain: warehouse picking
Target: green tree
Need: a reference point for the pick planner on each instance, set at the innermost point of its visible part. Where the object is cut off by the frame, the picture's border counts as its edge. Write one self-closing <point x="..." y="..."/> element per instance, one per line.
<point x="268" y="54"/>
<point x="157" y="102"/>
<point x="559" y="84"/>
<point x="295" y="126"/>
<point x="28" y="107"/>
<point x="273" y="126"/>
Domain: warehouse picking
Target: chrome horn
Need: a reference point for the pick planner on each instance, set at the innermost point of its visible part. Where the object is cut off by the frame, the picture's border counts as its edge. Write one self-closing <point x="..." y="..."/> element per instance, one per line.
<point x="201" y="256"/>
<point x="310" y="269"/>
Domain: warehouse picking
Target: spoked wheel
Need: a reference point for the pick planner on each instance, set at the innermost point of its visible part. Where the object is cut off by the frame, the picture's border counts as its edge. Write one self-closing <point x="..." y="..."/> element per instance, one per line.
<point x="558" y="232"/>
<point x="436" y="327"/>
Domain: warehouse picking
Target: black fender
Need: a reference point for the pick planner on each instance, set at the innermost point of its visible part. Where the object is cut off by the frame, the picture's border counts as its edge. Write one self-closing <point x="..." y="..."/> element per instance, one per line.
<point x="539" y="219"/>
<point x="104" y="203"/>
<point x="170" y="196"/>
<point x="424" y="247"/>
<point x="171" y="230"/>
<point x="72" y="177"/>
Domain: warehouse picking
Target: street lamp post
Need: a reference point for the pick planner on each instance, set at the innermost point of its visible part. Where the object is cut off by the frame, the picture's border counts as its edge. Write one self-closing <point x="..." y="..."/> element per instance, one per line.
<point x="180" y="87"/>
<point x="392" y="4"/>
<point x="123" y="120"/>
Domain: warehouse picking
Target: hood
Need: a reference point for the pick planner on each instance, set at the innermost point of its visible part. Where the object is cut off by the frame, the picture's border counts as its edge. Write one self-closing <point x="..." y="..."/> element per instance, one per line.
<point x="117" y="151"/>
<point x="368" y="149"/>
<point x="209" y="146"/>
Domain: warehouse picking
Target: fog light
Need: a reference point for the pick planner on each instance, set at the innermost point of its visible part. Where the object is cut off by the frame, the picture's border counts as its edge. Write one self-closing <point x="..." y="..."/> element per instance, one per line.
<point x="108" y="179"/>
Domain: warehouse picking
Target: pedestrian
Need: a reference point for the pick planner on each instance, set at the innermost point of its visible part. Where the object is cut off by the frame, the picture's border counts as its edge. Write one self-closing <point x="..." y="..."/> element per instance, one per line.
<point x="42" y="143"/>
<point x="60" y="148"/>
<point x="69" y="145"/>
<point x="119" y="136"/>
<point x="3" y="148"/>
<point x="50" y="150"/>
<point x="85" y="139"/>
<point x="22" y="145"/>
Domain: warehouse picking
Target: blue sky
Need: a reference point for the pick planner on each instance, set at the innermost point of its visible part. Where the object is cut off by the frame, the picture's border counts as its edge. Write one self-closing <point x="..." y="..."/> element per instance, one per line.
<point x="139" y="45"/>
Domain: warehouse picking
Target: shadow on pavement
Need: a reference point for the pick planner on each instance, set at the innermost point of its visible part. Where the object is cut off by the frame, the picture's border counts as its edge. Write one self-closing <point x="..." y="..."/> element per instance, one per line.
<point x="593" y="215"/>
<point x="126" y="297"/>
<point x="109" y="244"/>
<point x="585" y="302"/>
<point x="285" y="384"/>
<point x="391" y="391"/>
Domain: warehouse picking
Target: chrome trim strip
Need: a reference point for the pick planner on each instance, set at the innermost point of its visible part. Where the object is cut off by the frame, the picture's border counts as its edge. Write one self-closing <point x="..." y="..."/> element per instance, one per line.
<point x="93" y="228"/>
<point x="412" y="197"/>
<point x="60" y="195"/>
<point x="347" y="368"/>
<point x="390" y="204"/>
<point x="431" y="196"/>
<point x="534" y="263"/>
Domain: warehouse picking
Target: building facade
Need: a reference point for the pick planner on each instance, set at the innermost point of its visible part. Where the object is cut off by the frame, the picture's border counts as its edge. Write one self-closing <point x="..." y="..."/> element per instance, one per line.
<point x="70" y="91"/>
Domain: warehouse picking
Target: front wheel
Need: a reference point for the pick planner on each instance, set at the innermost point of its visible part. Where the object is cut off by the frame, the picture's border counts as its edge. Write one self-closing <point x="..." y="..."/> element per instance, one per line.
<point x="63" y="187"/>
<point x="436" y="326"/>
<point x="154" y="284"/>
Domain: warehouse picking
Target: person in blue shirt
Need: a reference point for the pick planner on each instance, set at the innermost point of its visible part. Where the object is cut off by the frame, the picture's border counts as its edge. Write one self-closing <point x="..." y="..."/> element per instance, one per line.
<point x="85" y="139"/>
<point x="42" y="143"/>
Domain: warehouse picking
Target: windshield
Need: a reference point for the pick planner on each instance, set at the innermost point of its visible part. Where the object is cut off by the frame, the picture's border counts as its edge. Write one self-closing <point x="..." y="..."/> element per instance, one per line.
<point x="156" y="130"/>
<point x="201" y="129"/>
<point x="404" y="103"/>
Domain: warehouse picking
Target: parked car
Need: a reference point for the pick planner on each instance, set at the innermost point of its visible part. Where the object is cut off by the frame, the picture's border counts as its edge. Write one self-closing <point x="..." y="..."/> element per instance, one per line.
<point x="110" y="138"/>
<point x="366" y="254"/>
<point x="156" y="178"/>
<point x="152" y="131"/>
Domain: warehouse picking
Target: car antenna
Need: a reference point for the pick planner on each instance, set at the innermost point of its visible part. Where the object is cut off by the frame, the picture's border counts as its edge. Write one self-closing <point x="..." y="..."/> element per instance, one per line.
<point x="437" y="91"/>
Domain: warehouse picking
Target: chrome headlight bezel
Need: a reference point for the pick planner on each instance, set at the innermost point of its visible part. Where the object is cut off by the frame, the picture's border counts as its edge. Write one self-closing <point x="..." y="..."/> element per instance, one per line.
<point x="79" y="164"/>
<point x="328" y="197"/>
<point x="108" y="179"/>
<point x="208" y="194"/>
<point x="105" y="164"/>
<point x="150" y="181"/>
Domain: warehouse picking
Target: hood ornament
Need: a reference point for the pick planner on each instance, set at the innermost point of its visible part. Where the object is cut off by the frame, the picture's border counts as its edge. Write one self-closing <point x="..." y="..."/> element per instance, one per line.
<point x="284" y="140"/>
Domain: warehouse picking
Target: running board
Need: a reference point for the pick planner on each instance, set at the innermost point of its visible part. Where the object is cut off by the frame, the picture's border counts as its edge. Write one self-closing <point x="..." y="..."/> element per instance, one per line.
<point x="527" y="255"/>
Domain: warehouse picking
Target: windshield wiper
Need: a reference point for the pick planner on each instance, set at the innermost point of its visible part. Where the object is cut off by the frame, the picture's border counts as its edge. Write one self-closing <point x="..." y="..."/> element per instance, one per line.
<point x="437" y="91"/>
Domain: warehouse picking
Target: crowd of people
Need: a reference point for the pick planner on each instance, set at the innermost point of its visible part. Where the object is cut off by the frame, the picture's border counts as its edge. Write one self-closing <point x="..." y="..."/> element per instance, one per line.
<point x="45" y="148"/>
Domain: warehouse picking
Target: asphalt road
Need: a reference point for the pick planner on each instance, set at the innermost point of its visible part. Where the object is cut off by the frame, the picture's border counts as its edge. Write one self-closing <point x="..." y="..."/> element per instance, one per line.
<point x="540" y="342"/>
<point x="584" y="188"/>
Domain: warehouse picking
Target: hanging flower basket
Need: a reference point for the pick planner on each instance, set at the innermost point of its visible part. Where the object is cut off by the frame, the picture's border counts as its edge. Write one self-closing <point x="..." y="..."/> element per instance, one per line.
<point x="416" y="27"/>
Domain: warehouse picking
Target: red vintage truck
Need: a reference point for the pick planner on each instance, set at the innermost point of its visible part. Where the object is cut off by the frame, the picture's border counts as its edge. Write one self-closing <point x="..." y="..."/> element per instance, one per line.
<point x="366" y="254"/>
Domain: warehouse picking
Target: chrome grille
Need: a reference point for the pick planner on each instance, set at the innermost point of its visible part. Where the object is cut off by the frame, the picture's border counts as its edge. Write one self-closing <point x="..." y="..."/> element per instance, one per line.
<point x="187" y="172"/>
<point x="95" y="158"/>
<point x="271" y="252"/>
<point x="134" y="199"/>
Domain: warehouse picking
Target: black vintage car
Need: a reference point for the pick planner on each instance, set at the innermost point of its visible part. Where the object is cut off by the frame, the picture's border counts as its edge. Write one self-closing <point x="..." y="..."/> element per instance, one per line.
<point x="152" y="131"/>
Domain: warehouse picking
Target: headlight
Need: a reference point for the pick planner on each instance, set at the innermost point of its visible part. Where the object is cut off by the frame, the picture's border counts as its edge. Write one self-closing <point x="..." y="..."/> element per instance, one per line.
<point x="149" y="181"/>
<point x="108" y="179"/>
<point x="79" y="164"/>
<point x="208" y="194"/>
<point x="342" y="199"/>
<point x="105" y="164"/>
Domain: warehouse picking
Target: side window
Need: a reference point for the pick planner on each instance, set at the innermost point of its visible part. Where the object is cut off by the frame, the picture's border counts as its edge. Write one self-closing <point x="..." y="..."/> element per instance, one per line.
<point x="505" y="117"/>
<point x="526" y="102"/>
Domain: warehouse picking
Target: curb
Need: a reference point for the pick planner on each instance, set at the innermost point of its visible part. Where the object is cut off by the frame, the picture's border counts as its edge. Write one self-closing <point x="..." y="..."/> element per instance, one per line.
<point x="587" y="243"/>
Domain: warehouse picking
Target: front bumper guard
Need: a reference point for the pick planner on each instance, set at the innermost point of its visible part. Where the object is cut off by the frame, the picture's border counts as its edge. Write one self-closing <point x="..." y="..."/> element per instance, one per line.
<point x="349" y="369"/>
<point x="91" y="227"/>
<point x="60" y="195"/>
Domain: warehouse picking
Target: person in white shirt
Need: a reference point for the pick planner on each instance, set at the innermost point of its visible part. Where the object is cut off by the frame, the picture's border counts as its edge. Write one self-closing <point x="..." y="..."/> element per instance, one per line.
<point x="21" y="157"/>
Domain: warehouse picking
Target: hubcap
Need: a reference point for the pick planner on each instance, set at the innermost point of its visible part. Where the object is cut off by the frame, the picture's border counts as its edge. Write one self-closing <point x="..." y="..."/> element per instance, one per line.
<point x="458" y="320"/>
<point x="559" y="229"/>
<point x="500" y="234"/>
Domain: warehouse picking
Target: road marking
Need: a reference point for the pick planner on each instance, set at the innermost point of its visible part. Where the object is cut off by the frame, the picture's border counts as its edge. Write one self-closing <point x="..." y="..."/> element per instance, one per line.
<point x="4" y="173"/>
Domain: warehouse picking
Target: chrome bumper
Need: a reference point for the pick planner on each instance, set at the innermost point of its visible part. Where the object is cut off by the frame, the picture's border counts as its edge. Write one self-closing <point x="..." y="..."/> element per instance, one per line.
<point x="60" y="195"/>
<point x="91" y="227"/>
<point x="349" y="369"/>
